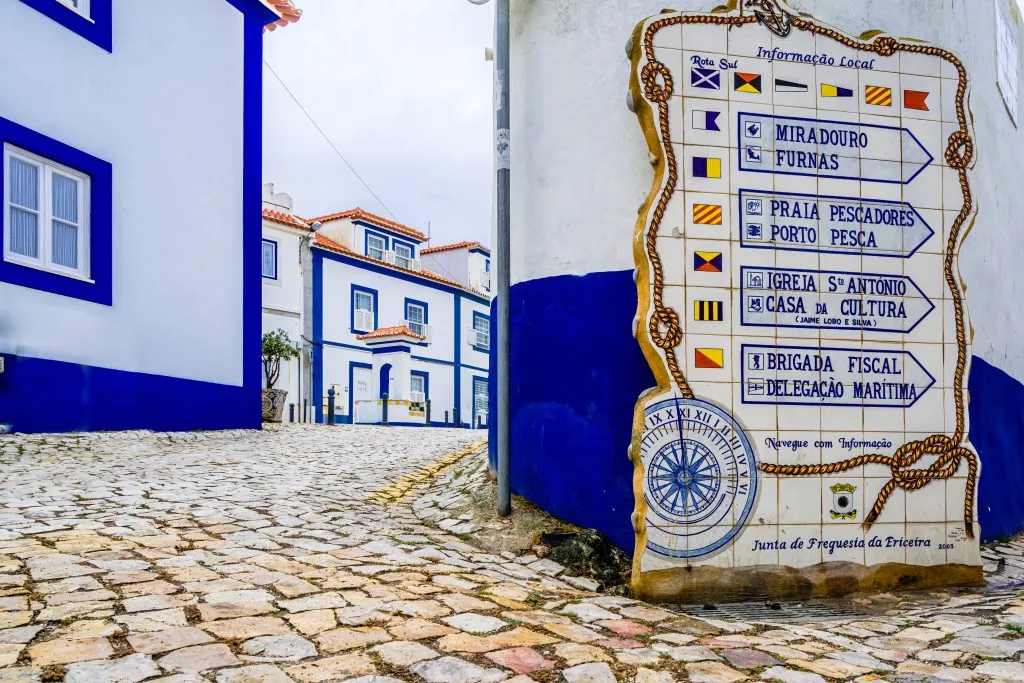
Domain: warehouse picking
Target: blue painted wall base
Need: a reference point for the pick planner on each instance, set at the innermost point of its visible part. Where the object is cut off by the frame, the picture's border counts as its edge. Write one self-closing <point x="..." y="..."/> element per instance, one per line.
<point x="577" y="372"/>
<point x="38" y="395"/>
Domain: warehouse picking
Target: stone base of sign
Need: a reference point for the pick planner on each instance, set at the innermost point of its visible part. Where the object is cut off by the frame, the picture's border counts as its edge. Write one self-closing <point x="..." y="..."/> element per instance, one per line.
<point x="829" y="579"/>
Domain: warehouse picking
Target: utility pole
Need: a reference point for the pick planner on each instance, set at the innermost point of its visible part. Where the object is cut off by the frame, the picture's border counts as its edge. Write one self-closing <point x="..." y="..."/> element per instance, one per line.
<point x="504" y="170"/>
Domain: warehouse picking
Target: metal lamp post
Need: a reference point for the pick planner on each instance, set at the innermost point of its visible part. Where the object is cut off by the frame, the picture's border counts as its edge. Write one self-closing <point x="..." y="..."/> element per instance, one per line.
<point x="502" y="142"/>
<point x="306" y="265"/>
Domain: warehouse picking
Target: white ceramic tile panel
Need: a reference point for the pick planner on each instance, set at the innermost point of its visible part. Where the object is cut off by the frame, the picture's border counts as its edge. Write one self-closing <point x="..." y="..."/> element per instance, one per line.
<point x="902" y="105"/>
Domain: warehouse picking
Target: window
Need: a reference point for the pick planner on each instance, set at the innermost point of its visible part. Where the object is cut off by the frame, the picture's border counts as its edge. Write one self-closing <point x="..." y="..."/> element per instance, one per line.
<point x="480" y="401"/>
<point x="418" y="387"/>
<point x="416" y="316"/>
<point x="46" y="208"/>
<point x="270" y="259"/>
<point x="403" y="255"/>
<point x="80" y="6"/>
<point x="485" y="277"/>
<point x="364" y="309"/>
<point x="376" y="246"/>
<point x="481" y="333"/>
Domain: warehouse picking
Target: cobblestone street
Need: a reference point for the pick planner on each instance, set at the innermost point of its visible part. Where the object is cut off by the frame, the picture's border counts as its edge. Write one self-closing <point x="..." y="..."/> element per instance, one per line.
<point x="326" y="554"/>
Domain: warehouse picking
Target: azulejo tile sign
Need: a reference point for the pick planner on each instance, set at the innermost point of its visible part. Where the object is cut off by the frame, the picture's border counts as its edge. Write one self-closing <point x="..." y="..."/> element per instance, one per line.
<point x="801" y="307"/>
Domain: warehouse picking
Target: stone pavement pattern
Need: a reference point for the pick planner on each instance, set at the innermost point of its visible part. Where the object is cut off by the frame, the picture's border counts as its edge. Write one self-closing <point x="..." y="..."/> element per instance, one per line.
<point x="250" y="557"/>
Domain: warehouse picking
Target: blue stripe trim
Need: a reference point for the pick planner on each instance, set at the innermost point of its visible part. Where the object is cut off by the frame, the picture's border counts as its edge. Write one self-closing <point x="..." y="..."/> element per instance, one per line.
<point x="457" y="365"/>
<point x="341" y="345"/>
<point x="252" y="210"/>
<point x="392" y="349"/>
<point x="397" y="274"/>
<point x="316" y="345"/>
<point x="42" y="395"/>
<point x="450" y="364"/>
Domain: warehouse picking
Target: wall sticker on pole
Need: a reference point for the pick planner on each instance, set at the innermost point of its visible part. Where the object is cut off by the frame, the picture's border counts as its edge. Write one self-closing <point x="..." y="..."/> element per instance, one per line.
<point x="808" y="434"/>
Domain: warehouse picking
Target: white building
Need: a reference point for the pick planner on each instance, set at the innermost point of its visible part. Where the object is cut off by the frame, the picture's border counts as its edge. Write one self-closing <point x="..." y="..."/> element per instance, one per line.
<point x="282" y="285"/>
<point x="132" y="147"/>
<point x="389" y="331"/>
<point x="389" y="316"/>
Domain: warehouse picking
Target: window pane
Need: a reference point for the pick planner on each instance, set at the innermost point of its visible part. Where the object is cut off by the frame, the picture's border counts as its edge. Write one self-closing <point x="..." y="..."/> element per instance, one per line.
<point x="65" y="244"/>
<point x="269" y="260"/>
<point x="415" y="314"/>
<point x="364" y="301"/>
<point x="375" y="247"/>
<point x="24" y="184"/>
<point x="403" y="251"/>
<point x="481" y="324"/>
<point x="65" y="198"/>
<point x="24" y="232"/>
<point x="416" y="384"/>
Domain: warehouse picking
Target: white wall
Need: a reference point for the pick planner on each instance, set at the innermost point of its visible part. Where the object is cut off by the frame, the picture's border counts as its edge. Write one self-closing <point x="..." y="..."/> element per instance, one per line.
<point x="451" y="264"/>
<point x="282" y="300"/>
<point x="165" y="109"/>
<point x="579" y="161"/>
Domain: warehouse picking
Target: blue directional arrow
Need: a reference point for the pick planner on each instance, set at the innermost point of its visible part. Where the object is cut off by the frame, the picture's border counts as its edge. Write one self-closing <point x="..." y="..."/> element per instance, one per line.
<point x="831" y="300"/>
<point x="831" y="149"/>
<point x="832" y="376"/>
<point x="791" y="221"/>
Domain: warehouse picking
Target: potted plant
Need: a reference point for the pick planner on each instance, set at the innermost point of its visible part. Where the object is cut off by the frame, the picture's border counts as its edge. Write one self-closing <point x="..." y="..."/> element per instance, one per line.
<point x="277" y="347"/>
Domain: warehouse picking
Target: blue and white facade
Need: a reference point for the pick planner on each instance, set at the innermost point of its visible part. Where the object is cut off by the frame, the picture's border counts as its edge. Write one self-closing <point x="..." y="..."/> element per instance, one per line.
<point x="394" y="322"/>
<point x="129" y="274"/>
<point x="576" y="367"/>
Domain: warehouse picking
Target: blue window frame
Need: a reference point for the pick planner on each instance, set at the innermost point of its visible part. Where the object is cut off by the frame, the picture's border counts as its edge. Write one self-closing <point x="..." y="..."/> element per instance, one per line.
<point x="363" y="310"/>
<point x="419" y="383"/>
<point x="270" y="259"/>
<point x="78" y="247"/>
<point x="487" y="265"/>
<point x="481" y="337"/>
<point x="481" y="401"/>
<point x="416" y="316"/>
<point x="405" y="253"/>
<point x="375" y="244"/>
<point x="91" y="19"/>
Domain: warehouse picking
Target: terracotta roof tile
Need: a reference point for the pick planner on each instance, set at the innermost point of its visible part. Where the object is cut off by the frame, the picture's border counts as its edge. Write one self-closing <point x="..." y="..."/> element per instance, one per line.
<point x="331" y="245"/>
<point x="288" y="219"/>
<point x="360" y="214"/>
<point x="457" y="245"/>
<point x="286" y="10"/>
<point x="398" y="330"/>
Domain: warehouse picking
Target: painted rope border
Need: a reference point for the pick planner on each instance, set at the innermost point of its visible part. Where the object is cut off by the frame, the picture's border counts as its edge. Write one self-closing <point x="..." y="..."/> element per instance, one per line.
<point x="663" y="328"/>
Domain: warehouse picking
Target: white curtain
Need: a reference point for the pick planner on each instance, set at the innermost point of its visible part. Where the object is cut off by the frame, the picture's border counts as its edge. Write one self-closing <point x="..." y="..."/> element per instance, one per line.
<point x="24" y="193"/>
<point x="65" y="221"/>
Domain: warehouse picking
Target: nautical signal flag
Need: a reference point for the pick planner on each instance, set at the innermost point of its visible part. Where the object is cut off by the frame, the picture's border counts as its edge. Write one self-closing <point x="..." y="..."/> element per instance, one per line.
<point x="782" y="85"/>
<point x="707" y="261"/>
<point x="878" y="95"/>
<point x="707" y="167"/>
<point x="706" y="79"/>
<point x="707" y="311"/>
<point x="706" y="120"/>
<point x="747" y="82"/>
<point x="712" y="359"/>
<point x="915" y="99"/>
<point x="707" y="214"/>
<point x="828" y="90"/>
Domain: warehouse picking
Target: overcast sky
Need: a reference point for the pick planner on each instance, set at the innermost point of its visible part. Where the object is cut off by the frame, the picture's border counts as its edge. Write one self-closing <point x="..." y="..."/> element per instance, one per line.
<point x="402" y="89"/>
